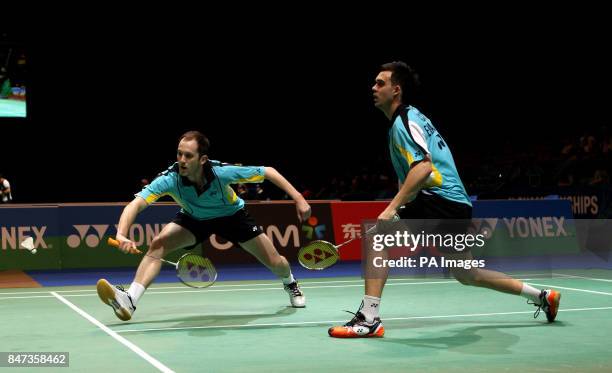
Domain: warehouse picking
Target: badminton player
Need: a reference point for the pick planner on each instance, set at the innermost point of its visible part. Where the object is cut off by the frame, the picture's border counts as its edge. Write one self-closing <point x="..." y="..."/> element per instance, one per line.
<point x="209" y="206"/>
<point x="431" y="189"/>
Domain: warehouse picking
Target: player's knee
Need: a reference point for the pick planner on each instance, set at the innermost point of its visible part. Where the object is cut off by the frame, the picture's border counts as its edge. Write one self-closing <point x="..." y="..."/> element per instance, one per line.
<point x="157" y="244"/>
<point x="278" y="261"/>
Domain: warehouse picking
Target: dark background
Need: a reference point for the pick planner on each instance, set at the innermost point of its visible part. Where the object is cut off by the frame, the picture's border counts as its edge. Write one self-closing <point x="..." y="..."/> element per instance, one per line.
<point x="106" y="106"/>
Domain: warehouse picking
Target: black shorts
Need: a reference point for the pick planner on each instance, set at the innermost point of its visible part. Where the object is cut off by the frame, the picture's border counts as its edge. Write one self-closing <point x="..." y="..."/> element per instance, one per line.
<point x="436" y="215"/>
<point x="432" y="206"/>
<point x="237" y="228"/>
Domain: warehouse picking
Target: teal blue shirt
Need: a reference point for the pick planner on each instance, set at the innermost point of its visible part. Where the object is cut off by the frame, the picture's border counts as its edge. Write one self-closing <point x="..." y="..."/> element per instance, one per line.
<point x="218" y="198"/>
<point x="411" y="137"/>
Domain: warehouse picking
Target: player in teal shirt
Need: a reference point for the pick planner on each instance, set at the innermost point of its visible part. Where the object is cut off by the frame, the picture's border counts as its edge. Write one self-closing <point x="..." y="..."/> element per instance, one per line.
<point x="430" y="189"/>
<point x="208" y="206"/>
<point x="216" y="201"/>
<point x="412" y="138"/>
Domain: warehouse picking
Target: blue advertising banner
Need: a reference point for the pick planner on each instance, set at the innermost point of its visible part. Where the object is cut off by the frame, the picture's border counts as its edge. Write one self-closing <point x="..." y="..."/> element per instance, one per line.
<point x="526" y="227"/>
<point x="40" y="223"/>
<point x="75" y="235"/>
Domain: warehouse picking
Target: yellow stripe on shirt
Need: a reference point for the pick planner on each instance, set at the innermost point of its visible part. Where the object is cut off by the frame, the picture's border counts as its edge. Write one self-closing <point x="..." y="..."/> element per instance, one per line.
<point x="152" y="198"/>
<point x="435" y="179"/>
<point x="231" y="195"/>
<point x="406" y="153"/>
<point x="252" y="179"/>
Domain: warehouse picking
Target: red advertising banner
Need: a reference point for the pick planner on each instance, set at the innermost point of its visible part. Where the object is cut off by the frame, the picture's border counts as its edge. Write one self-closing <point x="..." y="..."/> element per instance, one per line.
<point x="347" y="218"/>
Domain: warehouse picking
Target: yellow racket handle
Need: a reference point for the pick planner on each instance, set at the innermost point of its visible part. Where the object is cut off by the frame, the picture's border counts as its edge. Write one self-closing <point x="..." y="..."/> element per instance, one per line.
<point x="114" y="243"/>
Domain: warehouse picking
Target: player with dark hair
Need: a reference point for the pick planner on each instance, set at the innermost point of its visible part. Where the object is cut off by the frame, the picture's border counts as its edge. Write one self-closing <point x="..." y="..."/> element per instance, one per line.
<point x="430" y="189"/>
<point x="209" y="206"/>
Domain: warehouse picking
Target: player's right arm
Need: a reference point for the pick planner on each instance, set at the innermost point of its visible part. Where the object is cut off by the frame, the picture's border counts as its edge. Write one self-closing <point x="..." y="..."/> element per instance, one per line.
<point x="413" y="154"/>
<point x="417" y="177"/>
<point x="162" y="185"/>
<point x="125" y="222"/>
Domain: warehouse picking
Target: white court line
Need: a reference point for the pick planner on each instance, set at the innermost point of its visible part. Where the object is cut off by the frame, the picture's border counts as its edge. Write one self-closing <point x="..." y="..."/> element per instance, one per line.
<point x="574" y="289"/>
<point x="276" y="288"/>
<point x="221" y="285"/>
<point x="584" y="277"/>
<point x="114" y="334"/>
<point x="35" y="296"/>
<point x="342" y="321"/>
<point x="218" y="285"/>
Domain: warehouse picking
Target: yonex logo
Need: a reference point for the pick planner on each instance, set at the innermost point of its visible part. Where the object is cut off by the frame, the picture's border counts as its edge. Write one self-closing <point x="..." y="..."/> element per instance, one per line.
<point x="318" y="255"/>
<point x="313" y="226"/>
<point x="91" y="240"/>
<point x="12" y="236"/>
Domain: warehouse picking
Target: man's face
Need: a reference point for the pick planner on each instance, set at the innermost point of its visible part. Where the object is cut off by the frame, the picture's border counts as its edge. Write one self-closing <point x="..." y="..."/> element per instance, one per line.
<point x="188" y="157"/>
<point x="384" y="90"/>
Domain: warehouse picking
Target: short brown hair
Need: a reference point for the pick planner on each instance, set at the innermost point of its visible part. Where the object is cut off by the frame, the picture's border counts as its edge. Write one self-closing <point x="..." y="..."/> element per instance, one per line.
<point x="203" y="143"/>
<point x="405" y="76"/>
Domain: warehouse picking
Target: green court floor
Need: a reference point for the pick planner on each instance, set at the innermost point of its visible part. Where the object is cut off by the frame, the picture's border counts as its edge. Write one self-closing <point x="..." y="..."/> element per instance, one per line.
<point x="432" y="325"/>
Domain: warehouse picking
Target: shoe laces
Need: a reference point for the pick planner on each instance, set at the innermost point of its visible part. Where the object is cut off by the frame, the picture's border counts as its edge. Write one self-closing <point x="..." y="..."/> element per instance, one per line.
<point x="294" y="289"/>
<point x="358" y="318"/>
<point x="541" y="307"/>
<point x="128" y="295"/>
<point x="537" y="312"/>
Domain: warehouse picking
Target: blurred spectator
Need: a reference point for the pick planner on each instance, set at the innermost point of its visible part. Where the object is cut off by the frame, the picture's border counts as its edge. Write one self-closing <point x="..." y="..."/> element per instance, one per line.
<point x="600" y="177"/>
<point x="306" y="192"/>
<point x="566" y="179"/>
<point x="5" y="190"/>
<point x="569" y="148"/>
<point x="587" y="143"/>
<point x="388" y="188"/>
<point x="144" y="182"/>
<point x="260" y="193"/>
<point x="242" y="191"/>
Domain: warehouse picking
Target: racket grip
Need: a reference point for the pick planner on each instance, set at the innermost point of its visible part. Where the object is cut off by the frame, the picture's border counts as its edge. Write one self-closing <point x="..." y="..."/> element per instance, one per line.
<point x="114" y="243"/>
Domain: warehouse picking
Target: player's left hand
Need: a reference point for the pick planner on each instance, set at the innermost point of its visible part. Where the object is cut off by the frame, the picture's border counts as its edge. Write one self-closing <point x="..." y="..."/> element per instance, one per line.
<point x="303" y="210"/>
<point x="388" y="215"/>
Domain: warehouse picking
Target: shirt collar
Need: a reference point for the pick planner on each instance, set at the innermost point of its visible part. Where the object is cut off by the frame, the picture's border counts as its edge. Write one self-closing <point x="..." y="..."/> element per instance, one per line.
<point x="397" y="112"/>
<point x="208" y="177"/>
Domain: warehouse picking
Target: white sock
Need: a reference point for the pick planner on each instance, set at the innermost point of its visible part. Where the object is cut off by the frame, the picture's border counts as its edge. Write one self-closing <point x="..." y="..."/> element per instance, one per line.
<point x="136" y="291"/>
<point x="289" y="279"/>
<point x="531" y="293"/>
<point x="370" y="307"/>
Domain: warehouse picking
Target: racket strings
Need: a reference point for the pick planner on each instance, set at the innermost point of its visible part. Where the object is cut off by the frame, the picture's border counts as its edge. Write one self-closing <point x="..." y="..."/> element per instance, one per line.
<point x="318" y="255"/>
<point x="196" y="271"/>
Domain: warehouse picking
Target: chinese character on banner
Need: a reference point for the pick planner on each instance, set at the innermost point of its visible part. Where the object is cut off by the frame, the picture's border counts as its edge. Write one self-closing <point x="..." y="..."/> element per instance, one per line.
<point x="351" y="230"/>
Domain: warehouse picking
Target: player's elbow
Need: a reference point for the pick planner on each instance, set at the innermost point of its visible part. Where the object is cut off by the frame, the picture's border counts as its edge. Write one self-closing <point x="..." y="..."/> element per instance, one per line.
<point x="425" y="166"/>
<point x="137" y="205"/>
<point x="269" y="172"/>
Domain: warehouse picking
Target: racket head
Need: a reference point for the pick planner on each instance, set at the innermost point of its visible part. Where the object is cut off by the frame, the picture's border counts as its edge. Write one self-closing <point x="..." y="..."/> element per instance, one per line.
<point x="318" y="255"/>
<point x="196" y="271"/>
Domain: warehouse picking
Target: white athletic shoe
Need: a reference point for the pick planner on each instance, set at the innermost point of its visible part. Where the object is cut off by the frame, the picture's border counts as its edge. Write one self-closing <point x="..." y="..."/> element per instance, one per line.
<point x="117" y="298"/>
<point x="296" y="296"/>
